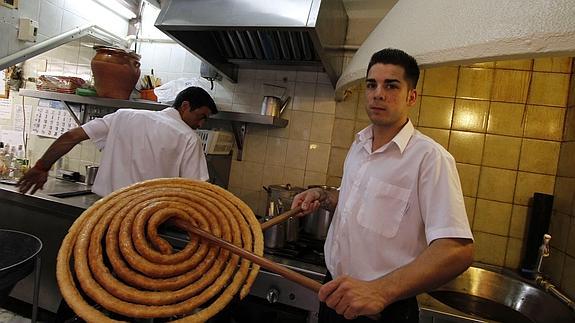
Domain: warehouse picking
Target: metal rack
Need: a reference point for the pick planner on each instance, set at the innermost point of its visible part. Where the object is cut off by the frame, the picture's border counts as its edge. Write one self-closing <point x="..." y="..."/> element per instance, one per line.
<point x="239" y="121"/>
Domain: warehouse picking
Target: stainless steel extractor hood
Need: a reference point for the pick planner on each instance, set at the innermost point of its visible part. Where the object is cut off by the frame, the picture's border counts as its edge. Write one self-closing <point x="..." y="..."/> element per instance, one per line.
<point x="228" y="34"/>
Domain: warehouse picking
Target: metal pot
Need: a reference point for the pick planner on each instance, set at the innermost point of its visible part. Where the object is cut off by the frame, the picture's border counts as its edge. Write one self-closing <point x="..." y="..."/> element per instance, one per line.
<point x="272" y="105"/>
<point x="279" y="201"/>
<point x="317" y="223"/>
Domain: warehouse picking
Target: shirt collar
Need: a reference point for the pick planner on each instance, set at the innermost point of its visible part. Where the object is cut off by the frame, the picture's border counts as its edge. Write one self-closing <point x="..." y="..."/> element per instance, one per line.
<point x="173" y="113"/>
<point x="401" y="139"/>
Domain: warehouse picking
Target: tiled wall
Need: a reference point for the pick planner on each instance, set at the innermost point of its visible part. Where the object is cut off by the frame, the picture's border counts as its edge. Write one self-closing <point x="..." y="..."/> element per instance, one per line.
<point x="561" y="264"/>
<point x="54" y="17"/>
<point x="503" y="122"/>
<point x="70" y="59"/>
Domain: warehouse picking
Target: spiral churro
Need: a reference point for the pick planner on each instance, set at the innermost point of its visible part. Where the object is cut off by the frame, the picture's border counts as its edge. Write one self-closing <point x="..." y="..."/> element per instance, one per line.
<point x="114" y="252"/>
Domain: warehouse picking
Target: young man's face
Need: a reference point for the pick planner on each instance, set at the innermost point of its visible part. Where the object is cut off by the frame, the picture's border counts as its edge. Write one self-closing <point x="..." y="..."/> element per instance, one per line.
<point x="388" y="95"/>
<point x="195" y="118"/>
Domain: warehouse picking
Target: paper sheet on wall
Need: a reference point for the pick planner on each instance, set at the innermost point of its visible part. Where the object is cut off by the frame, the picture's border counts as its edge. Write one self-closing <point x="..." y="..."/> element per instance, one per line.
<point x="19" y="117"/>
<point x="52" y="119"/>
<point x="5" y="109"/>
<point x="11" y="137"/>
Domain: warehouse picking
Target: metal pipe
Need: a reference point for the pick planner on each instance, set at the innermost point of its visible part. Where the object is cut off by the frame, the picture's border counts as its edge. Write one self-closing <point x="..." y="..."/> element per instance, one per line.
<point x="51" y="43"/>
<point x="550" y="288"/>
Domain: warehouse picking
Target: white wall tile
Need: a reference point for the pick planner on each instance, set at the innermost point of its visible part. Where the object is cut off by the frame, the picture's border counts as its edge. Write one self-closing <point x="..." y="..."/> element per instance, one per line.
<point x="191" y="63"/>
<point x="177" y="59"/>
<point x="71" y="20"/>
<point x="50" y="20"/>
<point x="29" y="9"/>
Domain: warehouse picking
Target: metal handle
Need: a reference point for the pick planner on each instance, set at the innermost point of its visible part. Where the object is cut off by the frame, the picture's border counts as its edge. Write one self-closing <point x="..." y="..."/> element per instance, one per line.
<point x="265" y="263"/>
<point x="280" y="218"/>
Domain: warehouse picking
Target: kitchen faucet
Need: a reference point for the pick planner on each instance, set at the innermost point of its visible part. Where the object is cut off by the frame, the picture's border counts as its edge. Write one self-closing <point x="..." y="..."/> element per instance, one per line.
<point x="544" y="251"/>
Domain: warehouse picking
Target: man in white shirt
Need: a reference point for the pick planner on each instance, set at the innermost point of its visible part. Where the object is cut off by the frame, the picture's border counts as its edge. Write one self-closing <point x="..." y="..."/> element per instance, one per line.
<point x="400" y="226"/>
<point x="137" y="145"/>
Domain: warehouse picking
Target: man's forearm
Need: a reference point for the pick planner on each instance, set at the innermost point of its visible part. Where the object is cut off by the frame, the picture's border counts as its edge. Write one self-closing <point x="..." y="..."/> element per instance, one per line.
<point x="62" y="146"/>
<point x="442" y="261"/>
<point x="329" y="199"/>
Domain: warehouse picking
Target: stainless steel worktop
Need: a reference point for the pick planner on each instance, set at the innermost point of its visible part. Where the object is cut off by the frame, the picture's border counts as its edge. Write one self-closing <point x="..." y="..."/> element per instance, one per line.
<point x="43" y="199"/>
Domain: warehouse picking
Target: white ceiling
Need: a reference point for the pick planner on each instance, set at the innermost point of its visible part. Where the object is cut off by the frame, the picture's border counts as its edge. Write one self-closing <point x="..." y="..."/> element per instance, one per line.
<point x="363" y="16"/>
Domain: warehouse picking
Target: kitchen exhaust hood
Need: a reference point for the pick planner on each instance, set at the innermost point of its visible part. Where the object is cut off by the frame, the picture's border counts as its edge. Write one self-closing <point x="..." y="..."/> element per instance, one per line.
<point x="280" y="34"/>
<point x="441" y="32"/>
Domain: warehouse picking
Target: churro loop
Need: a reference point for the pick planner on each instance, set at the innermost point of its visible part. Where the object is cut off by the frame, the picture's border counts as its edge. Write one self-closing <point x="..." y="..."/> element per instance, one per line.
<point x="115" y="254"/>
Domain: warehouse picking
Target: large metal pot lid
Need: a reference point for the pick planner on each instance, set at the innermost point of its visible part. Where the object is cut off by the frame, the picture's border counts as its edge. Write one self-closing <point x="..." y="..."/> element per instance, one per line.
<point x="17" y="247"/>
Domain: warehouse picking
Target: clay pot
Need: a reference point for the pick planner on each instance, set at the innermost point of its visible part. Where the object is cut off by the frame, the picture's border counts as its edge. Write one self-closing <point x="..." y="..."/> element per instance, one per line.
<point x="116" y="72"/>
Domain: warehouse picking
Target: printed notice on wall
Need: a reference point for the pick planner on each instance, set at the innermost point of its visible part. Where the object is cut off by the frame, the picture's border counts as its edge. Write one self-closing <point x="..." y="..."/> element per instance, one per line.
<point x="52" y="119"/>
<point x="21" y="116"/>
<point x="5" y="109"/>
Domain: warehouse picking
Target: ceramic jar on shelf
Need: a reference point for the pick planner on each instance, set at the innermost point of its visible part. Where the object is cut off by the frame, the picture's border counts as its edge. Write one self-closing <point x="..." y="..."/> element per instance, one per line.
<point x="116" y="72"/>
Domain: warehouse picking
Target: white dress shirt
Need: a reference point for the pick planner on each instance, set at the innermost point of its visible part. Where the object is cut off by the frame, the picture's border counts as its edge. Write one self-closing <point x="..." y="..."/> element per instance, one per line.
<point x="139" y="145"/>
<point x="393" y="203"/>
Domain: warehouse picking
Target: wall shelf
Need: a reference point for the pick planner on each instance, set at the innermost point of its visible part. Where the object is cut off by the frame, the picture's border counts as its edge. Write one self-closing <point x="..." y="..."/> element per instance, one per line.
<point x="238" y="120"/>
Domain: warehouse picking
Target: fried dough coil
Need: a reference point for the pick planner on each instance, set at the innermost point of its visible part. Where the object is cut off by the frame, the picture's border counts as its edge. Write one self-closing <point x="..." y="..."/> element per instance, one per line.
<point x="114" y="253"/>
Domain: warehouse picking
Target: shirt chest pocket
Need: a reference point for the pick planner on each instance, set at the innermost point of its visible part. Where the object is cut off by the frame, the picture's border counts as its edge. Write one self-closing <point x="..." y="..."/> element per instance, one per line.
<point x="382" y="208"/>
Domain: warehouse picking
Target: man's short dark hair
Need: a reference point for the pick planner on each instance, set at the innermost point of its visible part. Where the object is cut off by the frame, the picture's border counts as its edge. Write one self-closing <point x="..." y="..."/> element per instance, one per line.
<point x="197" y="97"/>
<point x="400" y="58"/>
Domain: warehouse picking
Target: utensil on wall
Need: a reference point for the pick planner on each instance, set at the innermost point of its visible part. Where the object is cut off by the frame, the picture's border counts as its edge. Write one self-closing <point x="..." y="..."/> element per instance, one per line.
<point x="273" y="105"/>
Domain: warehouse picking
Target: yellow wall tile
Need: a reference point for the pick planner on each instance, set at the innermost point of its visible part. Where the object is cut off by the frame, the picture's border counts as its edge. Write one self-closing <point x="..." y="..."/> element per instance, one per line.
<point x="252" y="176"/>
<point x="564" y="195"/>
<point x="553" y="266"/>
<point x="276" y="151"/>
<point x="466" y="147"/>
<point x="568" y="279"/>
<point x="475" y="83"/>
<point x="552" y="64"/>
<point x="506" y="119"/>
<point x="273" y="175"/>
<point x="570" y="248"/>
<point x="300" y="125"/>
<point x="496" y="184"/>
<point x="469" y="177"/>
<point x="529" y="183"/>
<point x="440" y="81"/>
<point x="321" y="127"/>
<point x="544" y="122"/>
<point x="569" y="131"/>
<point x="441" y="136"/>
<point x="414" y="112"/>
<point x="566" y="166"/>
<point x="324" y="99"/>
<point x="344" y="134"/>
<point x="539" y="156"/>
<point x="346" y="109"/>
<point x="436" y="112"/>
<point x="518" y="64"/>
<point x="518" y="224"/>
<point x="501" y="151"/>
<point x="510" y="86"/>
<point x="469" y="208"/>
<point x="513" y="255"/>
<point x="470" y="115"/>
<point x="419" y="86"/>
<point x="571" y="96"/>
<point x="559" y="228"/>
<point x="255" y="148"/>
<point x="490" y="248"/>
<point x="549" y="89"/>
<point x="318" y="157"/>
<point x="296" y="154"/>
<point x="482" y="64"/>
<point x="336" y="160"/>
<point x="293" y="176"/>
<point x="314" y="178"/>
<point x="492" y="217"/>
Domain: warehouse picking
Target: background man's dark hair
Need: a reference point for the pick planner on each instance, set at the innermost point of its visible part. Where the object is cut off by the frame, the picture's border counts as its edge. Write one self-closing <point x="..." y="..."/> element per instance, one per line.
<point x="197" y="97"/>
<point x="400" y="58"/>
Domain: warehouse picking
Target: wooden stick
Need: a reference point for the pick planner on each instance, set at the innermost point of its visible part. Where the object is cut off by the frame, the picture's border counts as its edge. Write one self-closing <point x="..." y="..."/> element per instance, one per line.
<point x="280" y="218"/>
<point x="263" y="262"/>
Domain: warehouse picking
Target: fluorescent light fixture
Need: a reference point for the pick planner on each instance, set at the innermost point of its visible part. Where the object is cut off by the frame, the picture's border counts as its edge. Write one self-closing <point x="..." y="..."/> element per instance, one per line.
<point x="117" y="8"/>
